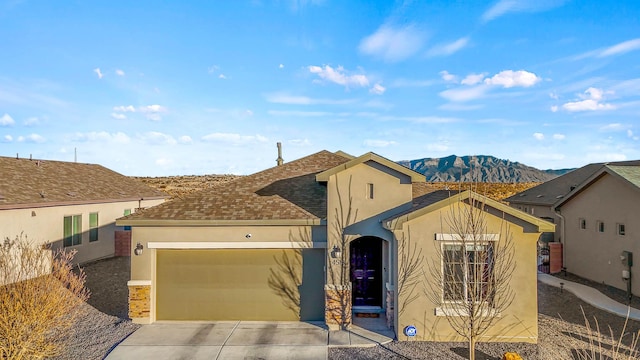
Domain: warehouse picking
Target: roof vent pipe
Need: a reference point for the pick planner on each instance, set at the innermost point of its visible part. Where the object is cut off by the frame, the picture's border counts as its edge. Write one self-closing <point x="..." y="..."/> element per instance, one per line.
<point x="279" y="160"/>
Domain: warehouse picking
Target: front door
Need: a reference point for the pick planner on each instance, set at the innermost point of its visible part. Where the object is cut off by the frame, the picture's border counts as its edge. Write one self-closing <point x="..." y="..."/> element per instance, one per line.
<point x="366" y="274"/>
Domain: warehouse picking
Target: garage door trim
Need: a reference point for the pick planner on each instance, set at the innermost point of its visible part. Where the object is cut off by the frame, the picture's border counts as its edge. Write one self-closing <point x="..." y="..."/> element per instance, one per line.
<point x="237" y="245"/>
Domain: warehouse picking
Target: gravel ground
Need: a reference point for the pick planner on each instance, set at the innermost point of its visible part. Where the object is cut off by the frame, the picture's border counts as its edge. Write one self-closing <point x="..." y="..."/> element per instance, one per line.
<point x="560" y="324"/>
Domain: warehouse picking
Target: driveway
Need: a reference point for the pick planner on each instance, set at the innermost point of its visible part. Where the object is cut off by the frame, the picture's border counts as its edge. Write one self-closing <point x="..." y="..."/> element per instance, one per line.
<point x="238" y="340"/>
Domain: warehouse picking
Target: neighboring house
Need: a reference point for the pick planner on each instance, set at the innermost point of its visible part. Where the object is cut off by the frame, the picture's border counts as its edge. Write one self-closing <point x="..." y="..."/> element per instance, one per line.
<point x="314" y="239"/>
<point x="600" y="222"/>
<point x="69" y="205"/>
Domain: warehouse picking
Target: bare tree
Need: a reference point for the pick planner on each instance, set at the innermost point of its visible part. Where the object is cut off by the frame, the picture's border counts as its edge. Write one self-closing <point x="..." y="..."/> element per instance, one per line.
<point x="339" y="297"/>
<point x="469" y="278"/>
<point x="40" y="299"/>
<point x="410" y="271"/>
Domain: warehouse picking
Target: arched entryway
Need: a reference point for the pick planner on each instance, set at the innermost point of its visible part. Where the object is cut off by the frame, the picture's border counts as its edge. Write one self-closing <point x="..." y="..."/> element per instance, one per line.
<point x="367" y="261"/>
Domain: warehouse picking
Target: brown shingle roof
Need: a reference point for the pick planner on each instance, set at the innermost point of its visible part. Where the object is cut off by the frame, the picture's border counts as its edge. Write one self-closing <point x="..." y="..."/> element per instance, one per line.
<point x="39" y="183"/>
<point x="287" y="192"/>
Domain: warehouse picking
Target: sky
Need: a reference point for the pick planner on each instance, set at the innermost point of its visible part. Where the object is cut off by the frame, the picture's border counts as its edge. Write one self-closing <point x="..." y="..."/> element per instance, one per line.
<point x="156" y="88"/>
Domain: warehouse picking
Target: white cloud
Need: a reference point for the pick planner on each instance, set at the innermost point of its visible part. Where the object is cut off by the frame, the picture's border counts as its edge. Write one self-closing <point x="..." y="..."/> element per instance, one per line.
<point x="7" y="138"/>
<point x="377" y="89"/>
<point x="510" y="78"/>
<point x="473" y="79"/>
<point x="281" y="66"/>
<point x="465" y="93"/>
<point x="613" y="127"/>
<point x="299" y="142"/>
<point x="157" y="138"/>
<point x="152" y="112"/>
<point x="393" y="44"/>
<point x="437" y="147"/>
<point x="559" y="136"/>
<point x="378" y="143"/>
<point x="538" y="136"/>
<point x="554" y="108"/>
<point x="592" y="102"/>
<point x="212" y="69"/>
<point x="222" y="76"/>
<point x="448" y="49"/>
<point x="446" y="76"/>
<point x="101" y="136"/>
<point x="32" y="138"/>
<point x="284" y="98"/>
<point x="185" y="139"/>
<point x="459" y="107"/>
<point x="118" y="116"/>
<point x="6" y="120"/>
<point x="632" y="136"/>
<point x="98" y="72"/>
<point x="339" y="76"/>
<point x="119" y="72"/>
<point x="122" y="108"/>
<point x="553" y="95"/>
<point x="235" y="139"/>
<point x="298" y="113"/>
<point x="32" y="121"/>
<point x="503" y="7"/>
<point x="621" y="48"/>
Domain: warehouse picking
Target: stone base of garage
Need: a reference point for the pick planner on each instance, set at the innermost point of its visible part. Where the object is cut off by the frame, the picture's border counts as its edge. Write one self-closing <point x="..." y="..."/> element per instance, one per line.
<point x="140" y="301"/>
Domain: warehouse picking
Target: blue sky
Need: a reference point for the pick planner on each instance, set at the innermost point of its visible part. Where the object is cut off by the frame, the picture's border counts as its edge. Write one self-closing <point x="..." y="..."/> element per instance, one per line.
<point x="157" y="88"/>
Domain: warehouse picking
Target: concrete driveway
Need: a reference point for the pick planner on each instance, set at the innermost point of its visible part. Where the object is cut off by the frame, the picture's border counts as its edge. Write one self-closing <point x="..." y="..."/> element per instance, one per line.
<point x="239" y="340"/>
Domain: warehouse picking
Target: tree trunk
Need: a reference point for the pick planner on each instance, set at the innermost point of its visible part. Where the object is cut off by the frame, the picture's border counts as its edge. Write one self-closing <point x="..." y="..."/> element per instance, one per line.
<point x="472" y="348"/>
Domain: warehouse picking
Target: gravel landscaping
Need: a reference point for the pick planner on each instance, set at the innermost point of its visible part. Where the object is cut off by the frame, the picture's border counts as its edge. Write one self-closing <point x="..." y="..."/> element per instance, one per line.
<point x="560" y="324"/>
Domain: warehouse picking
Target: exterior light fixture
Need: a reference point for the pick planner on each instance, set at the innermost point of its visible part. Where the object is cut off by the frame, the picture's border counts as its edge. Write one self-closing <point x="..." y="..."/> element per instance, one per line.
<point x="138" y="249"/>
<point x="248" y="236"/>
<point x="336" y="252"/>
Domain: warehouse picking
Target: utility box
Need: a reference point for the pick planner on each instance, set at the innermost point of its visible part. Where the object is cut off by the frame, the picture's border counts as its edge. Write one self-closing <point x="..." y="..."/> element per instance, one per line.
<point x="627" y="258"/>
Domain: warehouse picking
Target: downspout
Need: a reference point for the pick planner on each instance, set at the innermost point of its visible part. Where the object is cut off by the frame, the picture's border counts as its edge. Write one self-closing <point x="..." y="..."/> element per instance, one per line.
<point x="563" y="240"/>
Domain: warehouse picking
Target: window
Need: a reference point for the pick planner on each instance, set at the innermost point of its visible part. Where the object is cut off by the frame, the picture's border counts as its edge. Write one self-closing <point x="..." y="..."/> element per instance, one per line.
<point x="583" y="224"/>
<point x="621" y="229"/>
<point x="600" y="225"/>
<point x="126" y="213"/>
<point x="93" y="227"/>
<point x="467" y="272"/>
<point x="369" y="191"/>
<point x="72" y="230"/>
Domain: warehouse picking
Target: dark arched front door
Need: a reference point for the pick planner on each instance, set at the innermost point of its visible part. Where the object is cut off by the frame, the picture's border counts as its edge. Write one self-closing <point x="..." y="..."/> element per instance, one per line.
<point x="366" y="271"/>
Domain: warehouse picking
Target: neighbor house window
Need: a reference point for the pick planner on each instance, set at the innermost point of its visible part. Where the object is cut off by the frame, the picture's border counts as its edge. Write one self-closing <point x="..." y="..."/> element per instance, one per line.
<point x="72" y="230"/>
<point x="93" y="227"/>
<point x="369" y="191"/>
<point x="600" y="226"/>
<point x="621" y="229"/>
<point x="583" y="224"/>
<point x="467" y="271"/>
<point x="126" y="213"/>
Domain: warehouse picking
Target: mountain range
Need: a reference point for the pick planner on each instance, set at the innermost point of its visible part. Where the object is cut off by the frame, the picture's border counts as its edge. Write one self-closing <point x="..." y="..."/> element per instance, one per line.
<point x="479" y="168"/>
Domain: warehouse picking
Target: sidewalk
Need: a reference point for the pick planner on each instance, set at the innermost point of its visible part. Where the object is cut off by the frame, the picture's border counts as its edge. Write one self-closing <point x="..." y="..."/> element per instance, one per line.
<point x="591" y="296"/>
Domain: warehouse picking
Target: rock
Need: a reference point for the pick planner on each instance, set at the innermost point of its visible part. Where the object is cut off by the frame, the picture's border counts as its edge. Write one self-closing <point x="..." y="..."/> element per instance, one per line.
<point x="511" y="356"/>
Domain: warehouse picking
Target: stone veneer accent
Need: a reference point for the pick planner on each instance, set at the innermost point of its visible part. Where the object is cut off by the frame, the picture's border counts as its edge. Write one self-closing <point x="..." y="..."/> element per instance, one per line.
<point x="123" y="243"/>
<point x="337" y="306"/>
<point x="139" y="301"/>
<point x="390" y="309"/>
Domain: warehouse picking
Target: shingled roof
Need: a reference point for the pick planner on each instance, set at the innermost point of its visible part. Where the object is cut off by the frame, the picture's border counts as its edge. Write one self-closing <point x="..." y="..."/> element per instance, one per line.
<point x="552" y="191"/>
<point x="286" y="192"/>
<point x="26" y="183"/>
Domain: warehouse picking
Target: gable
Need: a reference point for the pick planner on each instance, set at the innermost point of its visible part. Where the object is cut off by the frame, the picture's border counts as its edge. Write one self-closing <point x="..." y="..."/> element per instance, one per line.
<point x="628" y="176"/>
<point x="375" y="161"/>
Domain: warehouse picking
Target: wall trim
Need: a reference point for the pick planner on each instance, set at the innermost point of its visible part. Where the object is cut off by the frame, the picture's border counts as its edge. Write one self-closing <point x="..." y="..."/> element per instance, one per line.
<point x="467" y="237"/>
<point x="238" y="245"/>
<point x="139" y="283"/>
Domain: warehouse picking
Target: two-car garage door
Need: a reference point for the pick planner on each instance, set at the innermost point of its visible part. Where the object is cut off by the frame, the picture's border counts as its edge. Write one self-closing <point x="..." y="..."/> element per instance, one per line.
<point x="240" y="284"/>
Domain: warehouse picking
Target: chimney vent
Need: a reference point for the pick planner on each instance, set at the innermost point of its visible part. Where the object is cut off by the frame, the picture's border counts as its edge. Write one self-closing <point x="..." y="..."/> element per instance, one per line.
<point x="279" y="160"/>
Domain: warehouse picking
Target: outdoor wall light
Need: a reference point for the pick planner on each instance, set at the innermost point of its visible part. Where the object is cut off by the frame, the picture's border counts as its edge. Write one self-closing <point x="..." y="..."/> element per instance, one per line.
<point x="336" y="252"/>
<point x="138" y="249"/>
<point x="248" y="236"/>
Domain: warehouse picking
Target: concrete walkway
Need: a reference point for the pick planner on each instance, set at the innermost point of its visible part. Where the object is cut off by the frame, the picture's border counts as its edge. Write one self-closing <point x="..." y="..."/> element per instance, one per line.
<point x="591" y="296"/>
<point x="240" y="340"/>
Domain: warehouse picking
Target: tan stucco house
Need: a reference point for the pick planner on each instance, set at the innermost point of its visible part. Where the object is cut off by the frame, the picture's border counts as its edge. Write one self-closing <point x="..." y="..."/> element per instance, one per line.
<point x="600" y="219"/>
<point x="69" y="205"/>
<point x="317" y="238"/>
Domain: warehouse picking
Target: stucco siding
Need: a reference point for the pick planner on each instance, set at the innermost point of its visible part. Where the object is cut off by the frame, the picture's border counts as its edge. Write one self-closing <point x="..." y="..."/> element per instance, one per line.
<point x="45" y="225"/>
<point x="518" y="323"/>
<point x="593" y="254"/>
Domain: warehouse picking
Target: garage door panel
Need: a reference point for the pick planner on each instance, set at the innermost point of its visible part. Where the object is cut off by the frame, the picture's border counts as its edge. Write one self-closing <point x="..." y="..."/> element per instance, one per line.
<point x="226" y="284"/>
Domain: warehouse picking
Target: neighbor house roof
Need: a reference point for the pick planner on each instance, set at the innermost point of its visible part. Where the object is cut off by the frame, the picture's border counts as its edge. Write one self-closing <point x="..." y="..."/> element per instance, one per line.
<point x="552" y="191"/>
<point x="27" y="183"/>
<point x="283" y="193"/>
<point x="628" y="172"/>
<point x="439" y="199"/>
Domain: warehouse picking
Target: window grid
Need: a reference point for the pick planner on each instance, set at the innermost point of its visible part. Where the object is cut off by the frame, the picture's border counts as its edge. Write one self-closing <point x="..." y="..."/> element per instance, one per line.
<point x="93" y="227"/>
<point x="467" y="271"/>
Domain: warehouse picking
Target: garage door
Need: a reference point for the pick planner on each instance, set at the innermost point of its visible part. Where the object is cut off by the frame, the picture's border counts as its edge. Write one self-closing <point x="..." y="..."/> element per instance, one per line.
<point x="245" y="284"/>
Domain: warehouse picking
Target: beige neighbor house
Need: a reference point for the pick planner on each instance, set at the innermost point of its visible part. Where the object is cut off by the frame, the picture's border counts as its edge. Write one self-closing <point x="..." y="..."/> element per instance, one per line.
<point x="319" y="238"/>
<point x="67" y="204"/>
<point x="600" y="221"/>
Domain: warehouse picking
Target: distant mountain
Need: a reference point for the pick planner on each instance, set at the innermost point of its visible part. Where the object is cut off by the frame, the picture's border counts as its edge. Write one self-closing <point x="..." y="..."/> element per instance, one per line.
<point x="479" y="168"/>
